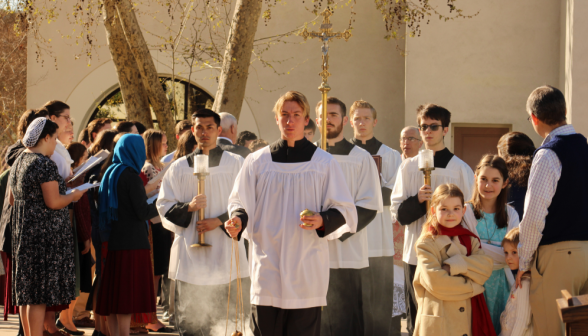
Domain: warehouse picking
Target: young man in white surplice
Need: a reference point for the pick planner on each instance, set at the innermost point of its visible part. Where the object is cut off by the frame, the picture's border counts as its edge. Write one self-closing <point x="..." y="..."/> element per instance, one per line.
<point x="345" y="311"/>
<point x="410" y="193"/>
<point x="289" y="255"/>
<point x="201" y="273"/>
<point x="377" y="284"/>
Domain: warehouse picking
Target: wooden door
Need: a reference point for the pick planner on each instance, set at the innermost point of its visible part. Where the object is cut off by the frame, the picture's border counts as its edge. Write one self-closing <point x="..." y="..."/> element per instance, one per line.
<point x="471" y="143"/>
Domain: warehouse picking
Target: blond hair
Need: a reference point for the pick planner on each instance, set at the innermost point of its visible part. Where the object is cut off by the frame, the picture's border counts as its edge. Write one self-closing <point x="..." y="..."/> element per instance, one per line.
<point x="294" y="96"/>
<point x="511" y="237"/>
<point x="153" y="139"/>
<point x="442" y="193"/>
<point x="362" y="104"/>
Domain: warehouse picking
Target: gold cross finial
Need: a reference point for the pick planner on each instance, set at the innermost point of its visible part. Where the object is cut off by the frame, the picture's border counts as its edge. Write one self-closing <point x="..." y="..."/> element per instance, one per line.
<point x="325" y="34"/>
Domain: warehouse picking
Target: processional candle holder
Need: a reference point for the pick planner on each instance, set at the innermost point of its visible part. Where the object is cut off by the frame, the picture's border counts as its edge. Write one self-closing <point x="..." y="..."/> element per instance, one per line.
<point x="426" y="162"/>
<point x="201" y="171"/>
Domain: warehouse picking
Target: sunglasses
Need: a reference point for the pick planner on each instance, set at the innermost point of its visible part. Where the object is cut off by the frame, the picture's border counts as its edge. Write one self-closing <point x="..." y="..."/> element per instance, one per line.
<point x="433" y="128"/>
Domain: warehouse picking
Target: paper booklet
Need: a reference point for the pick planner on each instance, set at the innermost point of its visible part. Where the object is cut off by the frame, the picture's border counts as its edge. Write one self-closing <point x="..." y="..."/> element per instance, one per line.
<point x="83" y="187"/>
<point x="159" y="176"/>
<point x="90" y="163"/>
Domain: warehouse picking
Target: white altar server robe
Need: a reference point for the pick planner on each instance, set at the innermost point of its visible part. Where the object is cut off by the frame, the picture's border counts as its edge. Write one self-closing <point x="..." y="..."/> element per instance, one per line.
<point x="289" y="266"/>
<point x="408" y="182"/>
<point x="363" y="181"/>
<point x="206" y="265"/>
<point x="380" y="232"/>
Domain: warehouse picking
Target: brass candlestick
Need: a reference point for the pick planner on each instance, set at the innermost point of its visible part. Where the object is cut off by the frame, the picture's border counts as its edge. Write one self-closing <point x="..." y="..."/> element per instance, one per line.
<point x="325" y="34"/>
<point x="427" y="173"/>
<point x="201" y="171"/>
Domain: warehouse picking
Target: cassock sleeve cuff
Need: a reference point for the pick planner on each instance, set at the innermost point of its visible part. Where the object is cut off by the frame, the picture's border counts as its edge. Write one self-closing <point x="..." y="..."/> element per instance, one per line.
<point x="411" y="210"/>
<point x="332" y="220"/>
<point x="244" y="219"/>
<point x="386" y="196"/>
<point x="179" y="215"/>
<point x="364" y="217"/>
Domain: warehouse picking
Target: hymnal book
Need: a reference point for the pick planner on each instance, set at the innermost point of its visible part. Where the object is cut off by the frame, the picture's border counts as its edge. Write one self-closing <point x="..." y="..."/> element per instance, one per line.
<point x="90" y="163"/>
<point x="83" y="187"/>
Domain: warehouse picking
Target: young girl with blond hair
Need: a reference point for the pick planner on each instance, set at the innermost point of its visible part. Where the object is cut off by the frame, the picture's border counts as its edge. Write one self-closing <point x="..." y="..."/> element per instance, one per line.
<point x="451" y="272"/>
<point x="490" y="218"/>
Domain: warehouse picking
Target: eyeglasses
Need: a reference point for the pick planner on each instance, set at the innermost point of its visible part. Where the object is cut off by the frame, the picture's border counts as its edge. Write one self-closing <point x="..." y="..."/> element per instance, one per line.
<point x="67" y="118"/>
<point x="409" y="139"/>
<point x="433" y="128"/>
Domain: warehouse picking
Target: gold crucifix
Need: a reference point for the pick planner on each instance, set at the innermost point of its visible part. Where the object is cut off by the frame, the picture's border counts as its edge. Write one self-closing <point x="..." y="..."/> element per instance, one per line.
<point x="325" y="34"/>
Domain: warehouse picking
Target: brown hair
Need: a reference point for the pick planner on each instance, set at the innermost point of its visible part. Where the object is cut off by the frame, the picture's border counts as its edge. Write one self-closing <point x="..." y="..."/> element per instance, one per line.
<point x="362" y="104"/>
<point x="76" y="151"/>
<point x="153" y="139"/>
<point x="501" y="215"/>
<point x="125" y="126"/>
<point x="294" y="96"/>
<point x="96" y="125"/>
<point x="27" y="118"/>
<point x="517" y="150"/>
<point x="108" y="162"/>
<point x="548" y="104"/>
<point x="245" y="136"/>
<point x="104" y="140"/>
<point x="185" y="146"/>
<point x="442" y="193"/>
<point x="55" y="107"/>
<point x="182" y="126"/>
<point x="311" y="126"/>
<point x="435" y="112"/>
<point x="334" y="101"/>
<point x="84" y="136"/>
<point x="511" y="237"/>
<point x="257" y="144"/>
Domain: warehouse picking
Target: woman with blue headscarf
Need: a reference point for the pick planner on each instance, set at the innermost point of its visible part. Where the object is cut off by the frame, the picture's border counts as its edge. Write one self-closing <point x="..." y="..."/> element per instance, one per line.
<point x="126" y="287"/>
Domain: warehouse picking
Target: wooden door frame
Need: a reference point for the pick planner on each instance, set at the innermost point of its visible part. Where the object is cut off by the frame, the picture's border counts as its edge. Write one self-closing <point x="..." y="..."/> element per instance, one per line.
<point x="454" y="125"/>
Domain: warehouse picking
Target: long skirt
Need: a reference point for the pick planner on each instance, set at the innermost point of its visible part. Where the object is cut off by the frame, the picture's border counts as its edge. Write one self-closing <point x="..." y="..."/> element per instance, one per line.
<point x="126" y="286"/>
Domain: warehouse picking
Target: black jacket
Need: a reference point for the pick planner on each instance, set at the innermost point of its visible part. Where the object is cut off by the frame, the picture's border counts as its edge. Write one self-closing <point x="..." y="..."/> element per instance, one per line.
<point x="130" y="231"/>
<point x="12" y="154"/>
<point x="229" y="147"/>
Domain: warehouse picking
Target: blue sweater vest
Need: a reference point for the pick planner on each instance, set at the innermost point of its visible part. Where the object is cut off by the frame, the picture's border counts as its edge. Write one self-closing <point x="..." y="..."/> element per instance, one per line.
<point x="566" y="219"/>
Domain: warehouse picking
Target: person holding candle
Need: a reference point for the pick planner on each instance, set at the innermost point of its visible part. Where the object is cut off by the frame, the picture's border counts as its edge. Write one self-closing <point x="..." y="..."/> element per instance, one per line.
<point x="201" y="273"/>
<point x="410" y="194"/>
<point x="377" y="284"/>
<point x="289" y="197"/>
<point x="346" y="313"/>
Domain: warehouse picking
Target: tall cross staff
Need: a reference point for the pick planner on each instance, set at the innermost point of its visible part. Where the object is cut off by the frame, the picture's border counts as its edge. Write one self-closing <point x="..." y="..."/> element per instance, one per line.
<point x="325" y="34"/>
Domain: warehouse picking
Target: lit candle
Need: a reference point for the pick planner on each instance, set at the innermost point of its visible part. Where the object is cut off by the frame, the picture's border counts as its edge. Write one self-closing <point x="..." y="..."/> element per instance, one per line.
<point x="201" y="164"/>
<point x="426" y="159"/>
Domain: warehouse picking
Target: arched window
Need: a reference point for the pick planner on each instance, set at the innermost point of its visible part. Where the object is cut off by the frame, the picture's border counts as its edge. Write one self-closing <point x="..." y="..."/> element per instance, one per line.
<point x="189" y="99"/>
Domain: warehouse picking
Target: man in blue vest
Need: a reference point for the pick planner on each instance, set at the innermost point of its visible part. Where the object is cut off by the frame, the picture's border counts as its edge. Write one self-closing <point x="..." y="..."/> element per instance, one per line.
<point x="554" y="230"/>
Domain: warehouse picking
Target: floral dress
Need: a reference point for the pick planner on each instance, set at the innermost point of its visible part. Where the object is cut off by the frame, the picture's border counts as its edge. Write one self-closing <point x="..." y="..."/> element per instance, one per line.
<point x="44" y="271"/>
<point x="496" y="289"/>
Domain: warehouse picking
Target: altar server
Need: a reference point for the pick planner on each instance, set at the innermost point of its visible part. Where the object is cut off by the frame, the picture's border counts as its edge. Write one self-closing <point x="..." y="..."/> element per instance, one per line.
<point x="410" y="194"/>
<point x="289" y="255"/>
<point x="201" y="273"/>
<point x="379" y="278"/>
<point x="344" y="314"/>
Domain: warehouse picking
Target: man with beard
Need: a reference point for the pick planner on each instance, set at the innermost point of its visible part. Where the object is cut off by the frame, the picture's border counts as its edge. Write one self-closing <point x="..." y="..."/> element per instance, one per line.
<point x="344" y="313"/>
<point x="378" y="285"/>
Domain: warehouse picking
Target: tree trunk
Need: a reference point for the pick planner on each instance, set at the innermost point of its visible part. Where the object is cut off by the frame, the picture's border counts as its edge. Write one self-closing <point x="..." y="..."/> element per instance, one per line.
<point x="149" y="76"/>
<point x="237" y="58"/>
<point x="133" y="92"/>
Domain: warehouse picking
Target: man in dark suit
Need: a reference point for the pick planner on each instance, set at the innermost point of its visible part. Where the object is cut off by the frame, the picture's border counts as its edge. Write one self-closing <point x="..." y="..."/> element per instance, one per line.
<point x="228" y="135"/>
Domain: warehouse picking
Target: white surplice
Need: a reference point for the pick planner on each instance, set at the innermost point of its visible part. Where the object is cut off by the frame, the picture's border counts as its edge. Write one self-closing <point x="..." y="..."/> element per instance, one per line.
<point x="289" y="266"/>
<point x="380" y="232"/>
<point x="408" y="182"/>
<point x="201" y="265"/>
<point x="363" y="181"/>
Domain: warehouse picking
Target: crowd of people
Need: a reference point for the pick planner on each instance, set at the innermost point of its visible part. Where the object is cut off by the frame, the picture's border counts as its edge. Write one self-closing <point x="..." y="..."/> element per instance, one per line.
<point x="342" y="241"/>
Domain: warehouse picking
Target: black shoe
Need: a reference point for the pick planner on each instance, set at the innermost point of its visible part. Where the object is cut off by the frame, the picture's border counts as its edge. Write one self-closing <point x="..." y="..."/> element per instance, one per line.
<point x="73" y="333"/>
<point x="59" y="325"/>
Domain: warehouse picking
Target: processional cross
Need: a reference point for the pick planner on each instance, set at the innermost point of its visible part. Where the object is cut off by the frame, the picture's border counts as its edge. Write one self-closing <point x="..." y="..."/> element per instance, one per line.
<point x="325" y="34"/>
